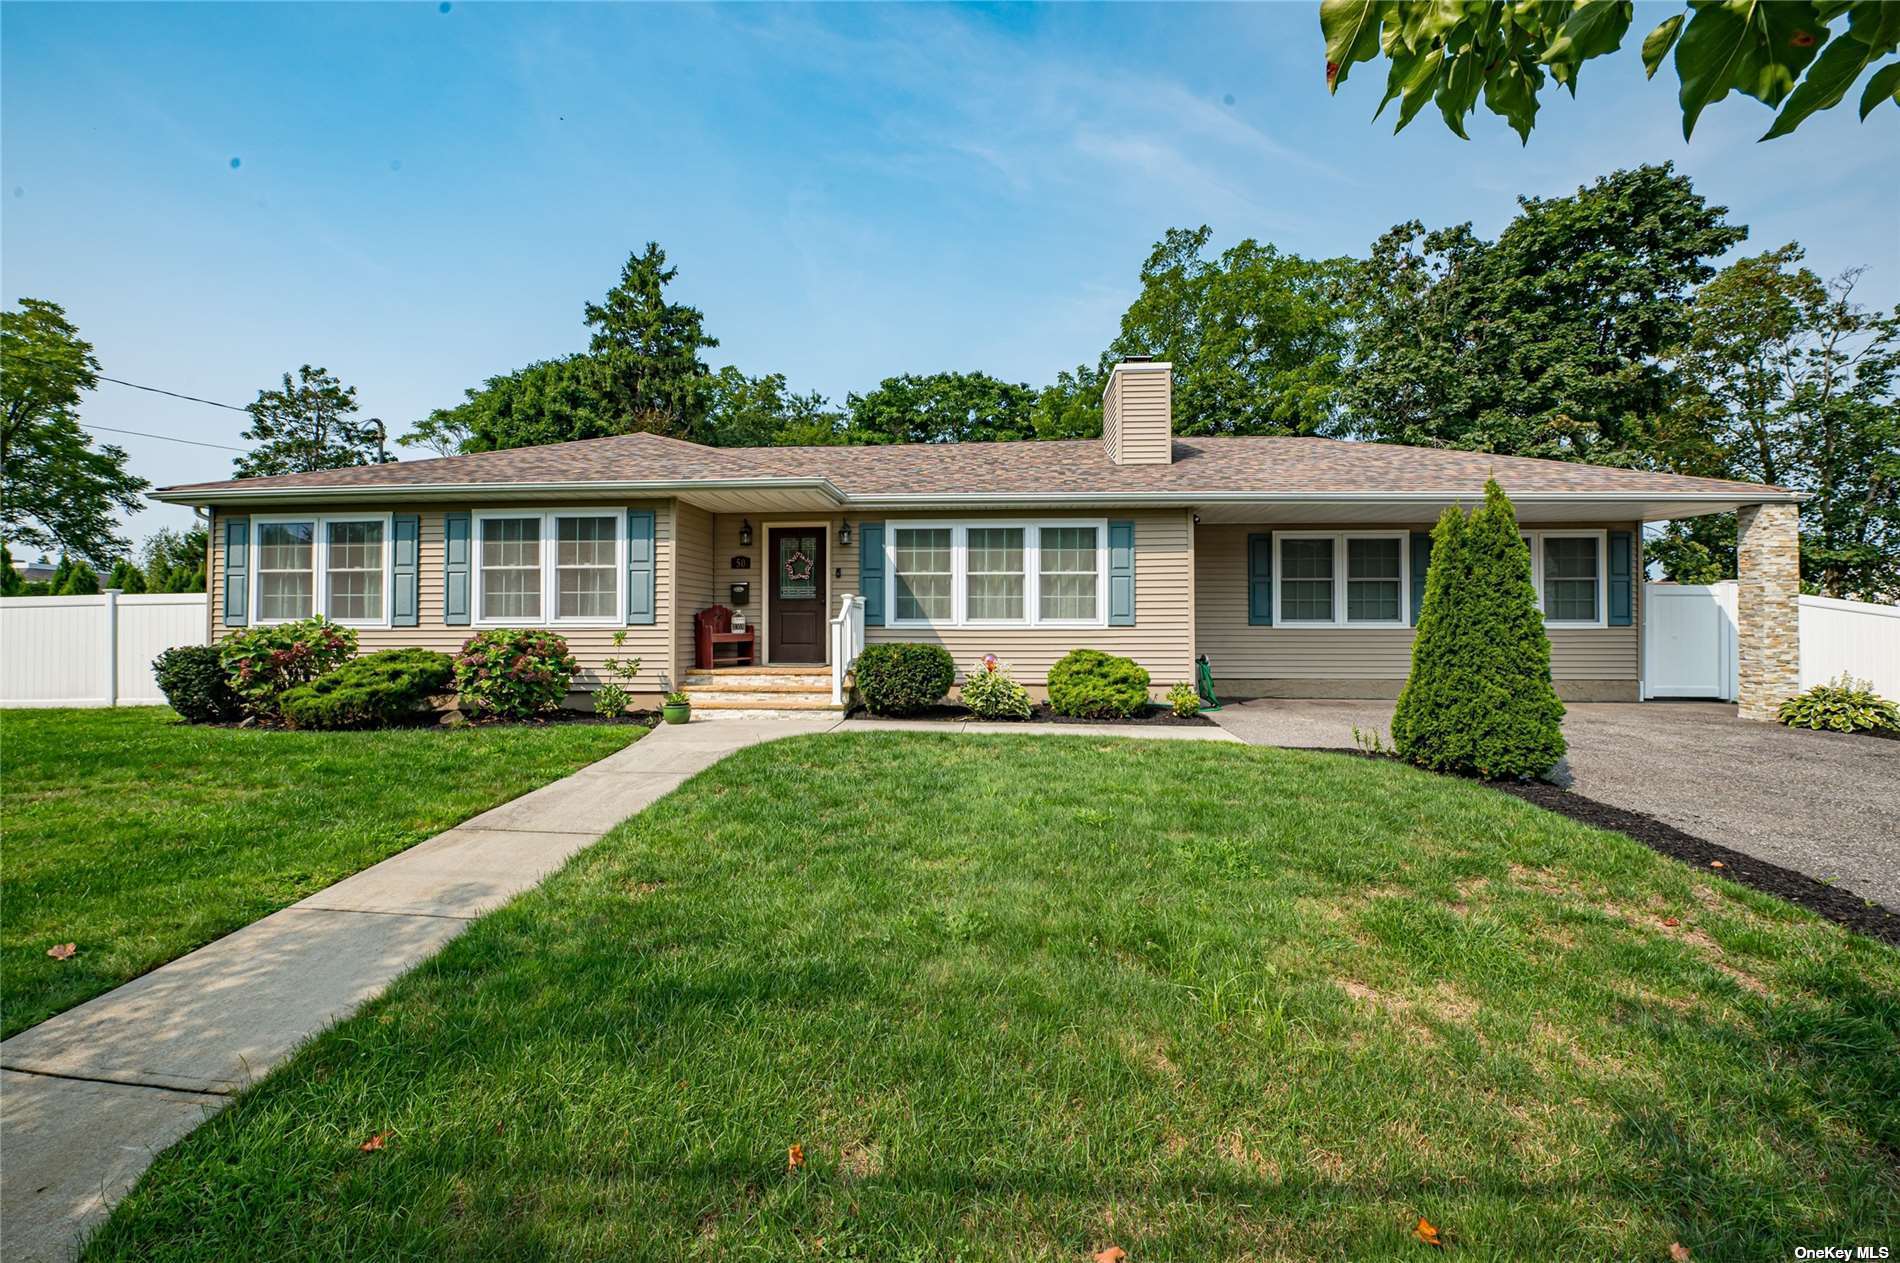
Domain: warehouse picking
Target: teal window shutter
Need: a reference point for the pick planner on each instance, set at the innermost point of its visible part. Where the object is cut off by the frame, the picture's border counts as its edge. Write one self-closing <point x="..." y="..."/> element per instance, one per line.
<point x="237" y="571"/>
<point x="1121" y="574"/>
<point x="871" y="571"/>
<point x="1622" y="578"/>
<point x="641" y="567"/>
<point x="1260" y="580"/>
<point x="1421" y="566"/>
<point x="455" y="577"/>
<point x="406" y="529"/>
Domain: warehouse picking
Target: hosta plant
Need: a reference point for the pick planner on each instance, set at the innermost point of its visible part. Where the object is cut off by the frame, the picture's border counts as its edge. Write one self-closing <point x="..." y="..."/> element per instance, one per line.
<point x="1843" y="704"/>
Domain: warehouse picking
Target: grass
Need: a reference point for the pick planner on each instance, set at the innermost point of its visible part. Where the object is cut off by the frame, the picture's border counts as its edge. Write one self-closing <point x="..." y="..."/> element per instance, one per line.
<point x="138" y="837"/>
<point x="1023" y="998"/>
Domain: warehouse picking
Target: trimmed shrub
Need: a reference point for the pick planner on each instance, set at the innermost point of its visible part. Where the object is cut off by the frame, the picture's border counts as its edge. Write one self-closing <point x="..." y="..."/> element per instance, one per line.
<point x="991" y="694"/>
<point x="1090" y="684"/>
<point x="1843" y="704"/>
<point x="1184" y="701"/>
<point x="376" y="690"/>
<point x="193" y="680"/>
<point x="1479" y="698"/>
<point x="264" y="663"/>
<point x="904" y="679"/>
<point x="513" y="672"/>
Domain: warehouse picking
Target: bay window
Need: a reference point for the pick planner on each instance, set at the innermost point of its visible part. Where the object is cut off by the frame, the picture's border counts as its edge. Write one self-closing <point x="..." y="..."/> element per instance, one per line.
<point x="549" y="567"/>
<point x="1027" y="574"/>
<point x="1341" y="579"/>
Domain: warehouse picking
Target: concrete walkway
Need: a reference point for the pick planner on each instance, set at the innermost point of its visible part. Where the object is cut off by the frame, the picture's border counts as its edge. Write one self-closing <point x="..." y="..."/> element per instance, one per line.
<point x="87" y="1098"/>
<point x="1822" y="803"/>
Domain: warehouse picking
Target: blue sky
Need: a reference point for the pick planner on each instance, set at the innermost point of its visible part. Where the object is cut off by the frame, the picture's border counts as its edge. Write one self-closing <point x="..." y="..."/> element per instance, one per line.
<point x="421" y="199"/>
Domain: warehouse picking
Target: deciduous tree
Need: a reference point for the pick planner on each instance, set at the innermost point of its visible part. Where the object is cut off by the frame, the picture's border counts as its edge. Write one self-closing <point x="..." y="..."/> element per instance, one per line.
<point x="56" y="489"/>
<point x="940" y="408"/>
<point x="308" y="424"/>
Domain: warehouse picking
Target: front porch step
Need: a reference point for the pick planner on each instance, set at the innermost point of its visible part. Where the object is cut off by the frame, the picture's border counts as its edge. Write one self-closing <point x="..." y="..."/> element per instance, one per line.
<point x="760" y="684"/>
<point x="760" y="697"/>
<point x="741" y="708"/>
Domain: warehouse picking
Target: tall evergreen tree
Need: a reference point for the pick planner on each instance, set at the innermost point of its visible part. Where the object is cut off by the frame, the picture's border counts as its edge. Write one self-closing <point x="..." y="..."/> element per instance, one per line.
<point x="1479" y="697"/>
<point x="644" y="354"/>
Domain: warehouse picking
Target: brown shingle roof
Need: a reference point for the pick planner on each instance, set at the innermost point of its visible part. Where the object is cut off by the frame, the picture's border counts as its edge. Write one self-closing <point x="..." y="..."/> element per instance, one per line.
<point x="1264" y="466"/>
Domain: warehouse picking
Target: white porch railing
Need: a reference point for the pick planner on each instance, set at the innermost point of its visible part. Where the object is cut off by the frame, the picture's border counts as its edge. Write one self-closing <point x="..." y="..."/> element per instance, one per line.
<point x="847" y="641"/>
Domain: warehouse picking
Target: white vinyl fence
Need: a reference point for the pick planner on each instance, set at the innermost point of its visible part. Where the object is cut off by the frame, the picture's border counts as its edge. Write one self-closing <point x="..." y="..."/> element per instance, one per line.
<point x="92" y="650"/>
<point x="1689" y="645"/>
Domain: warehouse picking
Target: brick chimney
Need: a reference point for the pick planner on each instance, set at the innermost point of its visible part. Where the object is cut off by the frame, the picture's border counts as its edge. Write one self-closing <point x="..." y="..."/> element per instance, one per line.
<point x="1138" y="412"/>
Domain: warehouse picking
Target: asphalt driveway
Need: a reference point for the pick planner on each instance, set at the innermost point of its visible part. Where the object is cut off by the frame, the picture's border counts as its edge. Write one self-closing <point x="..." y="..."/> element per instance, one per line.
<point x="1821" y="803"/>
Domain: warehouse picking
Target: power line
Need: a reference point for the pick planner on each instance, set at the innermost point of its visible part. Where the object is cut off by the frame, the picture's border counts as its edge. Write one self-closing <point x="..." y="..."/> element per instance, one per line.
<point x="175" y="395"/>
<point x="167" y="437"/>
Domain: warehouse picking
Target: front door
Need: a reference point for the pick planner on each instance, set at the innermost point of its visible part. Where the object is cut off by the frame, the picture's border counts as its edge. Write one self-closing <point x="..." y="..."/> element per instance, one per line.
<point x="797" y="595"/>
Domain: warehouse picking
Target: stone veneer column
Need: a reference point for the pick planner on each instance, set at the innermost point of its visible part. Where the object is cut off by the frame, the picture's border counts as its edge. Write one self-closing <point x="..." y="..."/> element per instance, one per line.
<point x="1767" y="615"/>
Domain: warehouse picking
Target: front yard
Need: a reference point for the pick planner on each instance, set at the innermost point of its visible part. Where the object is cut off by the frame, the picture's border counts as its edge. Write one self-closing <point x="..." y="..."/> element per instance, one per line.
<point x="1032" y="997"/>
<point x="137" y="838"/>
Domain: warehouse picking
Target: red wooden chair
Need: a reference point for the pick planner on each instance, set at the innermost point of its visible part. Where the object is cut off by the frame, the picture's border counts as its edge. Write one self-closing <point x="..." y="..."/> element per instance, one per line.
<point x="712" y="628"/>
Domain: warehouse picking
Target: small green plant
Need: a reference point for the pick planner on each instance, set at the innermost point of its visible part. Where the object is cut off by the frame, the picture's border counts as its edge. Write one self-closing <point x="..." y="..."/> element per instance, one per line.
<point x="1090" y="684"/>
<point x="611" y="699"/>
<point x="1843" y="704"/>
<point x="678" y="697"/>
<point x="264" y="663"/>
<point x="193" y="680"/>
<point x="1370" y="741"/>
<point x="991" y="694"/>
<point x="377" y="690"/>
<point x="513" y="672"/>
<point x="1185" y="702"/>
<point x="904" y="679"/>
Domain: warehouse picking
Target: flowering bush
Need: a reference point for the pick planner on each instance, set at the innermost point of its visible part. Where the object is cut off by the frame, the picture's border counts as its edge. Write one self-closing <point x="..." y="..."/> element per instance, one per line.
<point x="513" y="673"/>
<point x="264" y="663"/>
<point x="991" y="694"/>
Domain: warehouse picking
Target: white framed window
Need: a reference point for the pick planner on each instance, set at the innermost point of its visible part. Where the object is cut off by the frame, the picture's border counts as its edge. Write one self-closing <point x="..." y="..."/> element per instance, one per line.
<point x="1570" y="573"/>
<point x="995" y="583"/>
<point x="997" y="573"/>
<point x="1342" y="578"/>
<point x="335" y="566"/>
<point x="536" y="567"/>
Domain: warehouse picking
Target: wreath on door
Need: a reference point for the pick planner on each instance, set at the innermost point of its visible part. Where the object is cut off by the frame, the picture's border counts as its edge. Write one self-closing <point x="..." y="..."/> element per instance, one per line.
<point x="798" y="567"/>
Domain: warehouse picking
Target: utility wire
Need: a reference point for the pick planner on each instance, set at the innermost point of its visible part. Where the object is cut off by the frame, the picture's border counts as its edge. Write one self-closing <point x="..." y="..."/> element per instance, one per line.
<point x="167" y="437"/>
<point x="174" y="394"/>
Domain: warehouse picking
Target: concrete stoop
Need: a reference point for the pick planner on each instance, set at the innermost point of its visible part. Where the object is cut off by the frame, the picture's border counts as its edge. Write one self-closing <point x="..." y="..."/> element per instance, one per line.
<point x="761" y="693"/>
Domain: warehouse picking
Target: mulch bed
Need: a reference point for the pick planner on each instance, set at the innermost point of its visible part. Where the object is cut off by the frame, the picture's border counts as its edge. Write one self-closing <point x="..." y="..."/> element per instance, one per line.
<point x="1154" y="716"/>
<point x="1834" y="903"/>
<point x="442" y="720"/>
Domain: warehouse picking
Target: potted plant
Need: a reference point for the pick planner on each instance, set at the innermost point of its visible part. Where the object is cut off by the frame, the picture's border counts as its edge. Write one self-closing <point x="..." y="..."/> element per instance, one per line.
<point x="678" y="707"/>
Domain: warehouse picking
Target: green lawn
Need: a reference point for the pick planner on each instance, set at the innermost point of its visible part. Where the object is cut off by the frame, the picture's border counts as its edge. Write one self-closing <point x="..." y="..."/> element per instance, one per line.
<point x="1026" y="997"/>
<point x="138" y="837"/>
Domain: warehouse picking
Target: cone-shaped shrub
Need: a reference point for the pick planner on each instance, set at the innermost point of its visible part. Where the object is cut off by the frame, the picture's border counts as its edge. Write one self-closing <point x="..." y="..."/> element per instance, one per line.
<point x="1479" y="698"/>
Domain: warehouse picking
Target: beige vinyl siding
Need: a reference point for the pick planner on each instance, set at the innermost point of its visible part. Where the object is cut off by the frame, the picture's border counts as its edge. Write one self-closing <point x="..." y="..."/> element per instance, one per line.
<point x="589" y="645"/>
<point x="1332" y="656"/>
<point x="757" y="571"/>
<point x="692" y="578"/>
<point x="1137" y="416"/>
<point x="1160" y="639"/>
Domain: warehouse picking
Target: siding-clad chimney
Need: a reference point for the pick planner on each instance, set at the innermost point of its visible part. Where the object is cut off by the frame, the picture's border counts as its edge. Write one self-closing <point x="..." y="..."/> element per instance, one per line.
<point x="1138" y="412"/>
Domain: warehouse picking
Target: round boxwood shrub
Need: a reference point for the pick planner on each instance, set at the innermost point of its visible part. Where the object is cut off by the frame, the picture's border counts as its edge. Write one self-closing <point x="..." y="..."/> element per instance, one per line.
<point x="264" y="663"/>
<point x="1090" y="684"/>
<point x="376" y="690"/>
<point x="513" y="673"/>
<point x="904" y="679"/>
<point x="991" y="694"/>
<point x="193" y="680"/>
<point x="1479" y="698"/>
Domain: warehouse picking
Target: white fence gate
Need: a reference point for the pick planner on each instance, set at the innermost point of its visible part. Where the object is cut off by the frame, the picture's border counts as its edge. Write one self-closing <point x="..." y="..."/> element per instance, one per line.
<point x="1689" y="643"/>
<point x="92" y="650"/>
